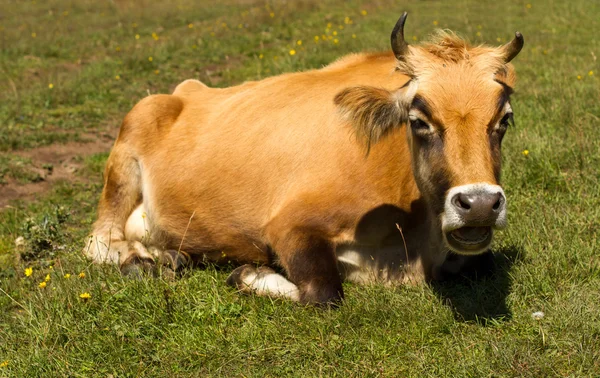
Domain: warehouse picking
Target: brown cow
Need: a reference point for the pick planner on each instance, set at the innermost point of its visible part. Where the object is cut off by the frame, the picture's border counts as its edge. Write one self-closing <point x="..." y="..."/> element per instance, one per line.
<point x="373" y="168"/>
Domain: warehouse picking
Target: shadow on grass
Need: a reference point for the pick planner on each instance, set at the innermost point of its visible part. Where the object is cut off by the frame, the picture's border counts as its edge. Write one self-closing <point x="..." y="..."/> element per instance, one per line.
<point x="479" y="292"/>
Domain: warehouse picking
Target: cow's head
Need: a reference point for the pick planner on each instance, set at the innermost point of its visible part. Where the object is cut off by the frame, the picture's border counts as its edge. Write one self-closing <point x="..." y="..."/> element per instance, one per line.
<point x="456" y="108"/>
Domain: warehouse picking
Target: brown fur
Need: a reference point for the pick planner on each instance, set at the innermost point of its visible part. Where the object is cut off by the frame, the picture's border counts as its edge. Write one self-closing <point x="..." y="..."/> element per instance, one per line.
<point x="268" y="172"/>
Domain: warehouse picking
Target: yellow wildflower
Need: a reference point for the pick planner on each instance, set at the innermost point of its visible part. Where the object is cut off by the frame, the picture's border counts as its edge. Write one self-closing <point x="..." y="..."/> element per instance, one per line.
<point x="134" y="25"/>
<point x="47" y="278"/>
<point x="525" y="152"/>
<point x="479" y="27"/>
<point x="117" y="77"/>
<point x="33" y="35"/>
<point x="50" y="85"/>
<point x="28" y="272"/>
<point x="118" y="48"/>
<point x="414" y="37"/>
<point x="591" y="73"/>
<point x="353" y="35"/>
<point x="292" y="52"/>
<point x="498" y="39"/>
<point x="67" y="276"/>
<point x="363" y="12"/>
<point x="334" y="32"/>
<point x="144" y="214"/>
<point x="528" y="6"/>
<point x="4" y="363"/>
<point x="299" y="42"/>
<point x="435" y="23"/>
<point x="42" y="285"/>
<point x="191" y="26"/>
<point x="156" y="72"/>
<point x="329" y="25"/>
<point x="137" y="36"/>
<point x="155" y="36"/>
<point x="478" y="34"/>
<point x="578" y="77"/>
<point x="316" y="38"/>
<point x="261" y="56"/>
<point x="335" y="40"/>
<point x="85" y="295"/>
<point x="341" y="27"/>
<point x="150" y="59"/>
<point x="271" y="14"/>
<point x="82" y="275"/>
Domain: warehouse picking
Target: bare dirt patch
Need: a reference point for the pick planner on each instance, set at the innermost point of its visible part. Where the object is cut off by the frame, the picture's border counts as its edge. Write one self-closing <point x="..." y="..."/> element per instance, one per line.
<point x="53" y="163"/>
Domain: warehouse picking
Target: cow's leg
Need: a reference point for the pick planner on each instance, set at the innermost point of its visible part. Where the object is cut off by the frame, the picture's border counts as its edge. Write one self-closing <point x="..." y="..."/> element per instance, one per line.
<point x="262" y="281"/>
<point x="120" y="196"/>
<point x="308" y="258"/>
<point x="311" y="267"/>
<point x="139" y="228"/>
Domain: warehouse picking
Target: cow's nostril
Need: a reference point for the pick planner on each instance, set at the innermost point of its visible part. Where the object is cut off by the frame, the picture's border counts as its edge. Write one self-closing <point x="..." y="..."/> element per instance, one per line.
<point x="461" y="201"/>
<point x="497" y="204"/>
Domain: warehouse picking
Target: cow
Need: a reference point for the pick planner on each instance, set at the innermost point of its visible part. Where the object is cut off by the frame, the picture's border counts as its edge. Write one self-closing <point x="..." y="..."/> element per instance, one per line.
<point x="380" y="167"/>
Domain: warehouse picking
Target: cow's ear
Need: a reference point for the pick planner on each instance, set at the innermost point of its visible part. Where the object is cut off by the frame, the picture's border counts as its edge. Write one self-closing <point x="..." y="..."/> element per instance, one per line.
<point x="373" y="112"/>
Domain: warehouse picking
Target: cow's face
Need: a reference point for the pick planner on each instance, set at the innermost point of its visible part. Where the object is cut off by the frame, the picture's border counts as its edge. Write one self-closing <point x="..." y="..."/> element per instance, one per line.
<point x="456" y="124"/>
<point x="456" y="108"/>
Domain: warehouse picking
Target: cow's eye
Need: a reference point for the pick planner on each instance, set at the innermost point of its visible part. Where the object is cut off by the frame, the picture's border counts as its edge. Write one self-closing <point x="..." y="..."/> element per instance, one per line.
<point x="507" y="120"/>
<point x="419" y="126"/>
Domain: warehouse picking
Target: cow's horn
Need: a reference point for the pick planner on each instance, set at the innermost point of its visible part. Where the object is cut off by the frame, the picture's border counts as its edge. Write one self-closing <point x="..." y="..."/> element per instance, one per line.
<point x="399" y="45"/>
<point x="512" y="48"/>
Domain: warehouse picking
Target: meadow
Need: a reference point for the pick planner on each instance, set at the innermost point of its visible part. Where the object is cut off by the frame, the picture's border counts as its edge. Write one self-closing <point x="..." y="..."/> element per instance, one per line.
<point x="70" y="71"/>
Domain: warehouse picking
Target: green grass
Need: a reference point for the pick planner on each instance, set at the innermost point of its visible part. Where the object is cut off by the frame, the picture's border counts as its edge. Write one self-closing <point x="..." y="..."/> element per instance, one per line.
<point x="195" y="325"/>
<point x="18" y="168"/>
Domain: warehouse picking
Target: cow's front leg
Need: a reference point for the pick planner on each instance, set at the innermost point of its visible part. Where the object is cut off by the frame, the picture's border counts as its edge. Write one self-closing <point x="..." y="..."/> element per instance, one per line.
<point x="309" y="260"/>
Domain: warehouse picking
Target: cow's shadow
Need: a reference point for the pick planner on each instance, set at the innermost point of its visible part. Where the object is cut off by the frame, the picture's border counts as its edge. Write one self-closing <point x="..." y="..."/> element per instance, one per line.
<point x="478" y="293"/>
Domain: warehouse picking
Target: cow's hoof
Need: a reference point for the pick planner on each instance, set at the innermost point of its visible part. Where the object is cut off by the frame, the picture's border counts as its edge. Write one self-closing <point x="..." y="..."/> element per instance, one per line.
<point x="167" y="273"/>
<point x="236" y="278"/>
<point x="322" y="296"/>
<point x="175" y="260"/>
<point x="137" y="267"/>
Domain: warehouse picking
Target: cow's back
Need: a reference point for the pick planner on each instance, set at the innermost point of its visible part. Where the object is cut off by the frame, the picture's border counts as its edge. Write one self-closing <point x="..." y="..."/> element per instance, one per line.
<point x="250" y="150"/>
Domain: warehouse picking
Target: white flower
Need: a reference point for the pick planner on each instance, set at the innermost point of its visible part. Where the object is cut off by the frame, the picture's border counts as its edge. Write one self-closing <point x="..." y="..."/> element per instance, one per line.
<point x="538" y="315"/>
<point x="20" y="241"/>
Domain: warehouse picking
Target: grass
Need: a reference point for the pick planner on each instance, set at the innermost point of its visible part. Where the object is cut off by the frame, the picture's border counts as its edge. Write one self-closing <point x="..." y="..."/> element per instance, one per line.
<point x="16" y="167"/>
<point x="195" y="325"/>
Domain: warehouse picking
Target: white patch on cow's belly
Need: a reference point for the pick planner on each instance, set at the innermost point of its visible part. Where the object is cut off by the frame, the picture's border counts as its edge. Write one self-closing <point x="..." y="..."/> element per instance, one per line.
<point x="137" y="226"/>
<point x="353" y="268"/>
<point x="271" y="284"/>
<point x="365" y="264"/>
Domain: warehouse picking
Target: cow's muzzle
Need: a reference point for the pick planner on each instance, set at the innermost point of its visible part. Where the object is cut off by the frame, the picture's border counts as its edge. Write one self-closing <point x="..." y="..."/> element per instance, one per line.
<point x="471" y="213"/>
